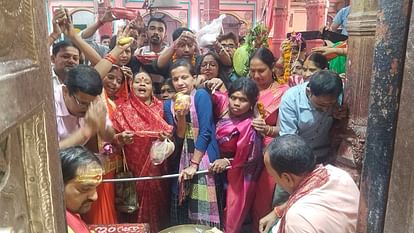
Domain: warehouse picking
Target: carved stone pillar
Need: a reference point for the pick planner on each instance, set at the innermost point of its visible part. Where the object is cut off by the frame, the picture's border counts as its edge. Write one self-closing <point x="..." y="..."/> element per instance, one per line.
<point x="361" y="29"/>
<point x="280" y="24"/>
<point x="316" y="18"/>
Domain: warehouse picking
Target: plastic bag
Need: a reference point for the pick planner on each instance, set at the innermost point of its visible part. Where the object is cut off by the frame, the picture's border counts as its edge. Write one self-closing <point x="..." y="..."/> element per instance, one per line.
<point x="160" y="150"/>
<point x="209" y="33"/>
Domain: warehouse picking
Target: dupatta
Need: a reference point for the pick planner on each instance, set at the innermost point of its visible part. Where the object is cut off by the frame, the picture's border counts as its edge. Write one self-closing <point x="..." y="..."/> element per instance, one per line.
<point x="271" y="99"/>
<point x="247" y="167"/>
<point x="201" y="190"/>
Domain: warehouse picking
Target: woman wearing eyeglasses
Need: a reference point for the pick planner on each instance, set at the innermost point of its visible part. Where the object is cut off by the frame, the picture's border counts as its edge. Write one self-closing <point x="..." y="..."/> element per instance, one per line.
<point x="212" y="77"/>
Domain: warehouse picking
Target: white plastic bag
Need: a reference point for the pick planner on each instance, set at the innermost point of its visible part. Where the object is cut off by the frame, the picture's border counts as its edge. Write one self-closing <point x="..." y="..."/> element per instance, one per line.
<point x="160" y="150"/>
<point x="209" y="33"/>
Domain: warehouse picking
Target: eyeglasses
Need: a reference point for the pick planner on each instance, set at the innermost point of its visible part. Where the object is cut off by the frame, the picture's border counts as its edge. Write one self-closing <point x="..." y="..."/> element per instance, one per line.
<point x="80" y="103"/>
<point x="230" y="46"/>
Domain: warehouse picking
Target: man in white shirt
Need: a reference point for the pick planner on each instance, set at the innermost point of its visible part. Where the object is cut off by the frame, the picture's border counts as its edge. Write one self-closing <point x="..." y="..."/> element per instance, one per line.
<point x="322" y="198"/>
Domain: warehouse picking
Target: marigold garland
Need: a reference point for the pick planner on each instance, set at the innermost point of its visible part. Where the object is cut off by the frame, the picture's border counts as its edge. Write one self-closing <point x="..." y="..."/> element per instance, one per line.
<point x="193" y="59"/>
<point x="294" y="41"/>
<point x="260" y="108"/>
<point x="287" y="55"/>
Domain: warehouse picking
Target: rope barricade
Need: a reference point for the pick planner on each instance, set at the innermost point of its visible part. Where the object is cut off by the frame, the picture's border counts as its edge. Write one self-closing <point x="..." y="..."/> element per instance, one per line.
<point x="145" y="178"/>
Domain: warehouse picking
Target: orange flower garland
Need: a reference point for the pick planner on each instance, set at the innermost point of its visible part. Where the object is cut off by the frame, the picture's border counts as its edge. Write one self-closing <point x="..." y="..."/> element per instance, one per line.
<point x="193" y="59"/>
<point x="261" y="110"/>
<point x="287" y="55"/>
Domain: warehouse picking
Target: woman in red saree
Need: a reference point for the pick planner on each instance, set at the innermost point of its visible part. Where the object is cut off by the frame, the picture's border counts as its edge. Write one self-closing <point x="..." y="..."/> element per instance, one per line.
<point x="115" y="93"/>
<point x="142" y="114"/>
<point x="237" y="139"/>
<point x="271" y="92"/>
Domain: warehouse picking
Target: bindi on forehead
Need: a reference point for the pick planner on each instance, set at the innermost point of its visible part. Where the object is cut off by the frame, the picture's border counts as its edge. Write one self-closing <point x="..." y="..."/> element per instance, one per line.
<point x="143" y="78"/>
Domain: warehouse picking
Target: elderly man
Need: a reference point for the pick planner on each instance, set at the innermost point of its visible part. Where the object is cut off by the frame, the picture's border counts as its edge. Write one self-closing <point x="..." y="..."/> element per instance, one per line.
<point x="82" y="173"/>
<point x="322" y="198"/>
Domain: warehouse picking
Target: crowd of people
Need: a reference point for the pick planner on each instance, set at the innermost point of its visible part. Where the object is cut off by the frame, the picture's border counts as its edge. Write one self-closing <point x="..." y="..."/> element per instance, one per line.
<point x="263" y="142"/>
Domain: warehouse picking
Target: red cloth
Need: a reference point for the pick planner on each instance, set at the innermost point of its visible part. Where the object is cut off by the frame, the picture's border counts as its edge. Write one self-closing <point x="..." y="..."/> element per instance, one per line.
<point x="246" y="146"/>
<point x="103" y="211"/>
<point x="314" y="180"/>
<point x="75" y="223"/>
<point x="153" y="196"/>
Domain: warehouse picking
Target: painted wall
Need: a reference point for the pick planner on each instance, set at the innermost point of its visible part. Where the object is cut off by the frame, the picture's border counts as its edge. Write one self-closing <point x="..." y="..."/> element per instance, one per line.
<point x="191" y="12"/>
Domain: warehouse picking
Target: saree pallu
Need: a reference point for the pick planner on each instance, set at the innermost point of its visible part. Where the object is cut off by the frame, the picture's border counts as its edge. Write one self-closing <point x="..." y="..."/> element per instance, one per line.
<point x="103" y="210"/>
<point x="271" y="99"/>
<point x="247" y="167"/>
<point x="153" y="196"/>
<point x="199" y="192"/>
<point x="220" y="104"/>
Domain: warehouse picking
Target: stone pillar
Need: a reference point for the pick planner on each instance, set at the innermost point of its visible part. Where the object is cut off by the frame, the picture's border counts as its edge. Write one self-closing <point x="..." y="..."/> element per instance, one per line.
<point x="280" y="24"/>
<point x="211" y="10"/>
<point x="361" y="29"/>
<point x="315" y="11"/>
<point x="400" y="210"/>
<point x="105" y="29"/>
<point x="387" y="71"/>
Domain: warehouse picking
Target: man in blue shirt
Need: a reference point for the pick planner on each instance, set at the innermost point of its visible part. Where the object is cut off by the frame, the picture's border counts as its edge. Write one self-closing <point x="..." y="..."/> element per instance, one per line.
<point x="341" y="19"/>
<point x="308" y="109"/>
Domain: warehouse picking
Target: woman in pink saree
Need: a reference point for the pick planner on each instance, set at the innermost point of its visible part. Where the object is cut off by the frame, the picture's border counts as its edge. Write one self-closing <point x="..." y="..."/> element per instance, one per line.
<point x="271" y="92"/>
<point x="239" y="141"/>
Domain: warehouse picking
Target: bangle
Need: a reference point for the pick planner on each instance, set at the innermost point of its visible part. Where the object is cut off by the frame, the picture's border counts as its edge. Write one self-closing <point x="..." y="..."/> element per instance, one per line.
<point x="110" y="58"/>
<point x="193" y="162"/>
<point x="278" y="212"/>
<point x="267" y="130"/>
<point x="271" y="131"/>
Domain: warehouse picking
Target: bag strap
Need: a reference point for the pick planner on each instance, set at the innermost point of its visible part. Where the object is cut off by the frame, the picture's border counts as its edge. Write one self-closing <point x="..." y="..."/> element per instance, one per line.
<point x="124" y="162"/>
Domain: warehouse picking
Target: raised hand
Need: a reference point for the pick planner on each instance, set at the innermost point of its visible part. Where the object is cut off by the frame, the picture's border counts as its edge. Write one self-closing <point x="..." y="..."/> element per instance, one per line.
<point x="95" y="117"/>
<point x="107" y="16"/>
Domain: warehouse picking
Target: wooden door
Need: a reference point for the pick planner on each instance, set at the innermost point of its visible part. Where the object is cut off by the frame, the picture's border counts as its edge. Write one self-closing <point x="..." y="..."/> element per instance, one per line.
<point x="31" y="186"/>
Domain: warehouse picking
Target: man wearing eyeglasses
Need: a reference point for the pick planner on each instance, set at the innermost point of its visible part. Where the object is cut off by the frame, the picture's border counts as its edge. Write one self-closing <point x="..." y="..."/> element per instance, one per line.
<point x="229" y="43"/>
<point x="73" y="99"/>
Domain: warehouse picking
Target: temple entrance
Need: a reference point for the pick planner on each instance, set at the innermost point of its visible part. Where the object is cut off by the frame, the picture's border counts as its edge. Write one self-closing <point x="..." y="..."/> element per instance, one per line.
<point x="232" y="24"/>
<point x="31" y="185"/>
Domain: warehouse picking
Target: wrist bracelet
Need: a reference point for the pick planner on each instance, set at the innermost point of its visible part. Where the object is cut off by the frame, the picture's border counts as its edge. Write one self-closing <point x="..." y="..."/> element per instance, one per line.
<point x="194" y="162"/>
<point x="110" y="58"/>
<point x="267" y="130"/>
